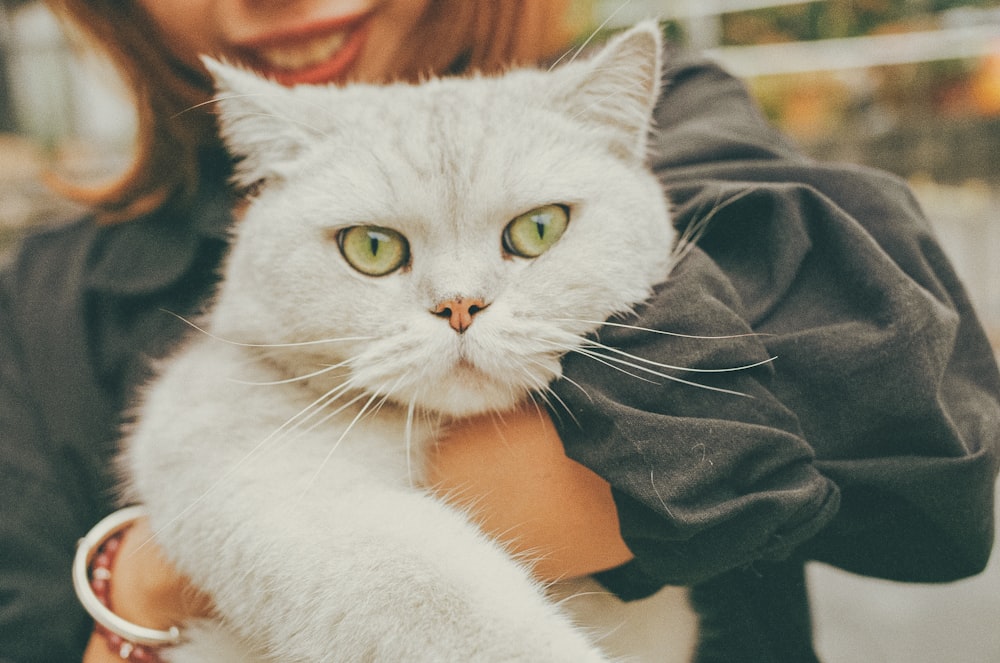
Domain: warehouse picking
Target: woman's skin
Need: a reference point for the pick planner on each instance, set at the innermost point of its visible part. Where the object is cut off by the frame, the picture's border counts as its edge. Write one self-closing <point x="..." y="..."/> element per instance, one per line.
<point x="510" y="470"/>
<point x="513" y="474"/>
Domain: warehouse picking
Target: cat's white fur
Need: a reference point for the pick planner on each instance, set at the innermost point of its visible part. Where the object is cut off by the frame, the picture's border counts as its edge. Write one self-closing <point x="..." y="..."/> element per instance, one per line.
<point x="297" y="503"/>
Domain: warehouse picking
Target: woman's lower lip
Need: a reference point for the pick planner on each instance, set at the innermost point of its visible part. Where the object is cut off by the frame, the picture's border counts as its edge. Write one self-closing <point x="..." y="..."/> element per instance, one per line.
<point x="334" y="69"/>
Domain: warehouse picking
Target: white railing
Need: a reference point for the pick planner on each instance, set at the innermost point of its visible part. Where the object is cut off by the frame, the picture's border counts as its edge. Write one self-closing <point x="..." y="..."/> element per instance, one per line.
<point x="964" y="33"/>
<point x="859" y="52"/>
<point x="629" y="11"/>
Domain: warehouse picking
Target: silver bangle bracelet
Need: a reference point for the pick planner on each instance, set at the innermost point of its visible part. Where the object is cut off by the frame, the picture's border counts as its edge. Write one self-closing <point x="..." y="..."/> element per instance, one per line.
<point x="86" y="548"/>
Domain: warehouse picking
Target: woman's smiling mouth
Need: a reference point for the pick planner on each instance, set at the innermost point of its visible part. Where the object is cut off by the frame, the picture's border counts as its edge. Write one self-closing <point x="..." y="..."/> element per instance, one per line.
<point x="317" y="53"/>
<point x="302" y="56"/>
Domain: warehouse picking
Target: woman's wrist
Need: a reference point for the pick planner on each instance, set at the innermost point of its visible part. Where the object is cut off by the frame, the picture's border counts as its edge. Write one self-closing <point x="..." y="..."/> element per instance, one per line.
<point x="148" y="590"/>
<point x="93" y="575"/>
<point x="133" y="594"/>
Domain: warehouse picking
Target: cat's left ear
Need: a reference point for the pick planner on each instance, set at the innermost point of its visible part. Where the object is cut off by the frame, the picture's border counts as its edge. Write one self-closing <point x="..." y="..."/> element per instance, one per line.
<point x="617" y="89"/>
<point x="257" y="123"/>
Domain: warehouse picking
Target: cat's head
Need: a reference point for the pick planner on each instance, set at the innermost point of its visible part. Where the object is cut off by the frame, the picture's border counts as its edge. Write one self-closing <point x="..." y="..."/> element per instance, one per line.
<point x="457" y="236"/>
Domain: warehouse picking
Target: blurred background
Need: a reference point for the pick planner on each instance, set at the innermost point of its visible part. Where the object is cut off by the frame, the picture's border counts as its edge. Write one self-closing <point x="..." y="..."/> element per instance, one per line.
<point x="909" y="86"/>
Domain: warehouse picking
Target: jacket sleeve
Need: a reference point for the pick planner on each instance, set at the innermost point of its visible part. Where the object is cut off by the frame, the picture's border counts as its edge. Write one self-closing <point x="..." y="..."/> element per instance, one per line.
<point x="47" y="504"/>
<point x="869" y="441"/>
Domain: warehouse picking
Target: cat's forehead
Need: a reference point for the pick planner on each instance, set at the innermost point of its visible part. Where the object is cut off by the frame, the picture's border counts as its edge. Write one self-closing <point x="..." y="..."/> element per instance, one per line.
<point x="459" y="143"/>
<point x="455" y="103"/>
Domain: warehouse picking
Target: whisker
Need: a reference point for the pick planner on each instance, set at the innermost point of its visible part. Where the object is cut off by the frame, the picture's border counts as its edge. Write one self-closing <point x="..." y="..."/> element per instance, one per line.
<point x="594" y="33"/>
<point x="696" y="228"/>
<point x="699" y="226"/>
<point x="547" y="394"/>
<point x="616" y="363"/>
<point x="250" y="95"/>
<point x="214" y="100"/>
<point x="307" y="413"/>
<point x="601" y="358"/>
<point x="299" y="378"/>
<point x="576" y="595"/>
<point x="529" y="557"/>
<point x="545" y="391"/>
<point x="408" y="439"/>
<point x="538" y="408"/>
<point x="563" y="348"/>
<point x="597" y="344"/>
<point x="329" y="415"/>
<point x="496" y="418"/>
<point x="358" y="417"/>
<point x="608" y="323"/>
<point x="656" y="491"/>
<point x="607" y="361"/>
<point x="297" y="344"/>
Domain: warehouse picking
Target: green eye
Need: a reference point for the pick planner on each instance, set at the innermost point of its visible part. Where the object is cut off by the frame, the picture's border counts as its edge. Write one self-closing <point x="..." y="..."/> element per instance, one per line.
<point x="533" y="233"/>
<point x="373" y="250"/>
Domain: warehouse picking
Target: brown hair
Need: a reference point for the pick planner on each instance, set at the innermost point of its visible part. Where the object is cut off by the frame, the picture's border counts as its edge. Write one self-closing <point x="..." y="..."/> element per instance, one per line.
<point x="174" y="132"/>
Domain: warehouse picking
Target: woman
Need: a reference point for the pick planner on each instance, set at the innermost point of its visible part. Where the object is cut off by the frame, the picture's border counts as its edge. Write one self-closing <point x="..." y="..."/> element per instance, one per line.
<point x="871" y="444"/>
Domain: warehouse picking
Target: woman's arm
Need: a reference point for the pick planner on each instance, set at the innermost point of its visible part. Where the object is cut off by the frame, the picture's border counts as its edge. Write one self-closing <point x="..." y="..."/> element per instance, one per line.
<point x="512" y="473"/>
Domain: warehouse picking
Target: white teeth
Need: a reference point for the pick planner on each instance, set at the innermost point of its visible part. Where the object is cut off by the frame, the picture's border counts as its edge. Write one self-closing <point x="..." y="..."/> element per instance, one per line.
<point x="301" y="56"/>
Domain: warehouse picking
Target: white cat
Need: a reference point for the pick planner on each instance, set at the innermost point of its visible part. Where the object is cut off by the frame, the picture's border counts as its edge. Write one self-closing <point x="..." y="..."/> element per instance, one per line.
<point x="412" y="253"/>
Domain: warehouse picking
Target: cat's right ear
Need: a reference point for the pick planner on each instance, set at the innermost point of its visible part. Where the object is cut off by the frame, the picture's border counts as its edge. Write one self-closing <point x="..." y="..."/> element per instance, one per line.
<point x="256" y="123"/>
<point x="617" y="90"/>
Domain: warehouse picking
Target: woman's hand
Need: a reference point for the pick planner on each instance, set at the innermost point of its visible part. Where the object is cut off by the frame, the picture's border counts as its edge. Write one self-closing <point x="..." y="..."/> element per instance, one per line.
<point x="146" y="590"/>
<point x="511" y="471"/>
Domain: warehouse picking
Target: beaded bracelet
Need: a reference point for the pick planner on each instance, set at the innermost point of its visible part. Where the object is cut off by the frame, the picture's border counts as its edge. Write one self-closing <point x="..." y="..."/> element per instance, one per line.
<point x="95" y="555"/>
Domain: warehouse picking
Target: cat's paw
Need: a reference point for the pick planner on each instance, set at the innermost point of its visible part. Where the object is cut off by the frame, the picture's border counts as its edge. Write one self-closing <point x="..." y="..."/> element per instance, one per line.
<point x="576" y="649"/>
<point x="549" y="638"/>
<point x="495" y="630"/>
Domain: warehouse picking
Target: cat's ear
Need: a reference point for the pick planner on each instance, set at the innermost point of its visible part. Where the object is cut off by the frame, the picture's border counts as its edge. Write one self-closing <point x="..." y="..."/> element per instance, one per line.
<point x="256" y="122"/>
<point x="617" y="89"/>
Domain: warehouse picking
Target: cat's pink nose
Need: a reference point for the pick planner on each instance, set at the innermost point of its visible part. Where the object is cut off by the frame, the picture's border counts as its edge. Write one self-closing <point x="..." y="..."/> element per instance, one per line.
<point x="459" y="312"/>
